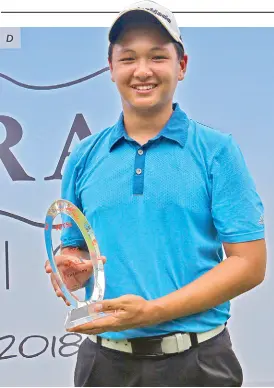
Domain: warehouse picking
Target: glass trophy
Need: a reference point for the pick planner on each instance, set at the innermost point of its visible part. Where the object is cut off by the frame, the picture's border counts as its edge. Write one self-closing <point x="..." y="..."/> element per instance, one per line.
<point x="81" y="279"/>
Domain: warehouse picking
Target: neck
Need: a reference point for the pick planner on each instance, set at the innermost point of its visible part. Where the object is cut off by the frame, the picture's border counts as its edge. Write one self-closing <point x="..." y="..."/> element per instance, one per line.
<point x="144" y="125"/>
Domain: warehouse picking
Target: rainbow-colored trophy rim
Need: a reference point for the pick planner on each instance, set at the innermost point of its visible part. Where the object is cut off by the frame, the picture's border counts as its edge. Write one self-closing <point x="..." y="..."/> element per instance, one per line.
<point x="62" y="206"/>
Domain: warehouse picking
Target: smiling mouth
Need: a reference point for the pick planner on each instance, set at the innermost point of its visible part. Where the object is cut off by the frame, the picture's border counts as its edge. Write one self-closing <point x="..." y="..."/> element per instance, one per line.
<point x="144" y="87"/>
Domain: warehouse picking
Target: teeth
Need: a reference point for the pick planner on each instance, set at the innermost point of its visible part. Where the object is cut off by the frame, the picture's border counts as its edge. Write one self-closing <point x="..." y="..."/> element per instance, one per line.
<point x="145" y="87"/>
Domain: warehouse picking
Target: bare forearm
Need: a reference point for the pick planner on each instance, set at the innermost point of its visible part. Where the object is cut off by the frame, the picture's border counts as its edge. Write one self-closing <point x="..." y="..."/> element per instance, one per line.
<point x="232" y="277"/>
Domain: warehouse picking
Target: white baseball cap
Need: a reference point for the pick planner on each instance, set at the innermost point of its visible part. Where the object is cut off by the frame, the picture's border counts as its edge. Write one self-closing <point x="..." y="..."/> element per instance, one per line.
<point x="162" y="14"/>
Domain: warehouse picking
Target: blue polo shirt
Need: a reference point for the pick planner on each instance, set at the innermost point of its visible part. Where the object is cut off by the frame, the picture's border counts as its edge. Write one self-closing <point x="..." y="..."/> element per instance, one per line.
<point x="161" y="211"/>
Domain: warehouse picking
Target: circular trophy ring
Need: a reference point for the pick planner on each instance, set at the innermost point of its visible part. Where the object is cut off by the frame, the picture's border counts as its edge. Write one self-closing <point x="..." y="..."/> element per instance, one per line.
<point x="62" y="206"/>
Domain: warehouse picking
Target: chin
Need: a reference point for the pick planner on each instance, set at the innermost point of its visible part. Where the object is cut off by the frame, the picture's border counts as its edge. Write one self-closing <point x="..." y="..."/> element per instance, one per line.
<point x="145" y="105"/>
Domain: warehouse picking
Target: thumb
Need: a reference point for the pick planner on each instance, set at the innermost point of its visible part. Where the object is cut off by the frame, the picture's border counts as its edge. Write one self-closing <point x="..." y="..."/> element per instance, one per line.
<point x="108" y="305"/>
<point x="103" y="258"/>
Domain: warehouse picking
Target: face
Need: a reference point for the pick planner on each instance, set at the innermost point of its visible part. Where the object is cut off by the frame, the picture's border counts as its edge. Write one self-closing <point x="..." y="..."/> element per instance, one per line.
<point x="146" y="68"/>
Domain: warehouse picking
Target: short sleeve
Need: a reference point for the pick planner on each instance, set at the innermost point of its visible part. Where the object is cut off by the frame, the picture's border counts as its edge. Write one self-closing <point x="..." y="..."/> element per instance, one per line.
<point x="71" y="236"/>
<point x="237" y="209"/>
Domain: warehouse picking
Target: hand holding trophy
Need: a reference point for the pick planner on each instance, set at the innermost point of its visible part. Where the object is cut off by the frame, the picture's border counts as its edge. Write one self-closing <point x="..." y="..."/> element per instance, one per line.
<point x="80" y="279"/>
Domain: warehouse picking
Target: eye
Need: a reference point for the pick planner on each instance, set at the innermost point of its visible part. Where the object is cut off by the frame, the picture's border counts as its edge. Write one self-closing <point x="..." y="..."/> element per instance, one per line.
<point x="129" y="59"/>
<point x="159" y="57"/>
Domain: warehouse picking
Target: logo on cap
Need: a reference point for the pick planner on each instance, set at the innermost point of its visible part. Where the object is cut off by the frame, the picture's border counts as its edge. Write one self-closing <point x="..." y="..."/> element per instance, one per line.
<point x="158" y="13"/>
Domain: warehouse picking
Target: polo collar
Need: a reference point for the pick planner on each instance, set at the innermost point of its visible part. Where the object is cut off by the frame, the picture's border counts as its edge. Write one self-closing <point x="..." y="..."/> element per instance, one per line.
<point x="175" y="129"/>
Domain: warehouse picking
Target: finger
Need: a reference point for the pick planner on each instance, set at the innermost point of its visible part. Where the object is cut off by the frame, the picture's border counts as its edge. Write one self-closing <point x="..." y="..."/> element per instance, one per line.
<point x="103" y="258"/>
<point x="55" y="285"/>
<point x="48" y="267"/>
<point x="88" y="331"/>
<point x="108" y="305"/>
<point x="74" y="262"/>
<point x="66" y="260"/>
<point x="57" y="289"/>
<point x="100" y="325"/>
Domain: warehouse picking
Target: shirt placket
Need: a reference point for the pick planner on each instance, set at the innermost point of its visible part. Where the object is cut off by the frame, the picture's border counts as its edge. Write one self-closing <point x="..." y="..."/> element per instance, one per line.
<point x="139" y="171"/>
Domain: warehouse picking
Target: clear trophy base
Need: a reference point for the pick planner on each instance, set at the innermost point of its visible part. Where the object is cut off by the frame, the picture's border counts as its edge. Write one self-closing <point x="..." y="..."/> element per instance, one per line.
<point x="81" y="315"/>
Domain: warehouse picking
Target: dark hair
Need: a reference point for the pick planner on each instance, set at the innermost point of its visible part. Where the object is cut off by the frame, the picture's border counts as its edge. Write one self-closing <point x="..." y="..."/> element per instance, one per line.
<point x="179" y="49"/>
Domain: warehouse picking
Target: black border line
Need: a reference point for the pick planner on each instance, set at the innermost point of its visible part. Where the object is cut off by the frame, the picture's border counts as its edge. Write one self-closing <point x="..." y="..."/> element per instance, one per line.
<point x="117" y="12"/>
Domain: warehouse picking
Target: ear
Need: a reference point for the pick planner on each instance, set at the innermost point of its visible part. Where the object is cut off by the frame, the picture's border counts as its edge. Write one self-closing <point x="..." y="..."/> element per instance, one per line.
<point x="111" y="69"/>
<point x="183" y="66"/>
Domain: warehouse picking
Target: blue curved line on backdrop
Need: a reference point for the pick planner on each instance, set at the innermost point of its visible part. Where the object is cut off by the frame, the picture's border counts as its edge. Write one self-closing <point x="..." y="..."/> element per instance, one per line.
<point x="27" y="221"/>
<point x="22" y="219"/>
<point x="58" y="86"/>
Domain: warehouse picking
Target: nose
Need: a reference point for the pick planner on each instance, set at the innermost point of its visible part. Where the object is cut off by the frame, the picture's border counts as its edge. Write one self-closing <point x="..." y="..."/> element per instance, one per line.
<point x="142" y="70"/>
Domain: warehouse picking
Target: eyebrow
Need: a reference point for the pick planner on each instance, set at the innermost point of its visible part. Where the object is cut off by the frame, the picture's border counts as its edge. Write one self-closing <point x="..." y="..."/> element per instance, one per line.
<point x="156" y="48"/>
<point x="127" y="50"/>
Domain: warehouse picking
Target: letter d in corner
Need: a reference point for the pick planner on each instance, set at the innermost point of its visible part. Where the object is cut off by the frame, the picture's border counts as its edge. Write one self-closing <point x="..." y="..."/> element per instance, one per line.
<point x="10" y="37"/>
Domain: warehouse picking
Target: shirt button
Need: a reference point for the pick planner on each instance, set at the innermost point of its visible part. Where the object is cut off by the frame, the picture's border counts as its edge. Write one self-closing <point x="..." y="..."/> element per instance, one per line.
<point x="138" y="171"/>
<point x="140" y="152"/>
